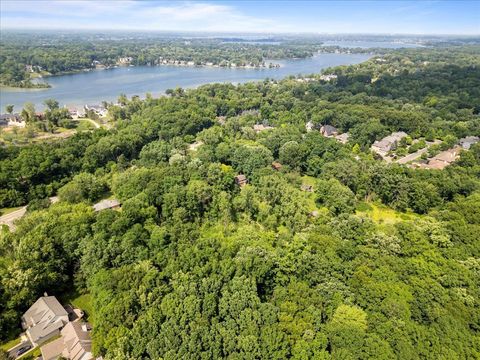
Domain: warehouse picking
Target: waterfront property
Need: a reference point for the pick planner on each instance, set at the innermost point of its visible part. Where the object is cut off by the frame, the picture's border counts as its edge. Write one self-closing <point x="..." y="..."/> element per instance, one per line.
<point x="91" y="87"/>
<point x="12" y="120"/>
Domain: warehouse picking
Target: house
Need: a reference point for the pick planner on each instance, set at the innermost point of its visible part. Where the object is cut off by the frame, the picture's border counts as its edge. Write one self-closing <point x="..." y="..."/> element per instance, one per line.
<point x="328" y="130"/>
<point x="343" y="138"/>
<point x="276" y="166"/>
<point x="241" y="180"/>
<point x="388" y="143"/>
<point x="468" y="141"/>
<point x="444" y="158"/>
<point x="44" y="319"/>
<point x="259" y="128"/>
<point x="73" y="112"/>
<point x="75" y="343"/>
<point x="106" y="204"/>
<point x="124" y="60"/>
<point x="309" y="126"/>
<point x="195" y="145"/>
<point x="328" y="77"/>
<point x="12" y="120"/>
<point x="97" y="109"/>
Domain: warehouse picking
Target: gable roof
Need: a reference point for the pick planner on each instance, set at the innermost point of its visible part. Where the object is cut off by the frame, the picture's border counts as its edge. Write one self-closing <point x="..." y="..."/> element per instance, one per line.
<point x="328" y="130"/>
<point x="106" y="204"/>
<point x="389" y="141"/>
<point x="75" y="343"/>
<point x="43" y="307"/>
<point x="468" y="141"/>
<point x="44" y="317"/>
<point x="76" y="337"/>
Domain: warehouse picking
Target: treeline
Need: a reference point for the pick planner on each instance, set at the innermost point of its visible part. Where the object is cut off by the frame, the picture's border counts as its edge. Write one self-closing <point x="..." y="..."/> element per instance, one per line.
<point x="194" y="266"/>
<point x="55" y="54"/>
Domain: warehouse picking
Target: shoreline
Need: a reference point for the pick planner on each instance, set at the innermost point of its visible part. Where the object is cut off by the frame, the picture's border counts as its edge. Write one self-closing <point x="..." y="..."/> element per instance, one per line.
<point x="80" y="101"/>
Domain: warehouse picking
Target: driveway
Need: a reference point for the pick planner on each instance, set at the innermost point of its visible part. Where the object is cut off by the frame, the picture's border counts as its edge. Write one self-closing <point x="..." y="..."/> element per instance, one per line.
<point x="13" y="351"/>
<point x="413" y="156"/>
<point x="10" y="218"/>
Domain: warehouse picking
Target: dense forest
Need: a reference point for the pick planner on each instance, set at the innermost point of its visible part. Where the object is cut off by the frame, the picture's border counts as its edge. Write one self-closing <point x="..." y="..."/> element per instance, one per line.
<point x="194" y="266"/>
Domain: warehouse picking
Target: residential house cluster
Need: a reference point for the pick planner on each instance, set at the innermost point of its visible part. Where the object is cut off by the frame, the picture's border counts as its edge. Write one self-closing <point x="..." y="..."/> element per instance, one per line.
<point x="44" y="319"/>
<point x="74" y="343"/>
<point x="388" y="143"/>
<point x="328" y="77"/>
<point x="126" y="60"/>
<point x="47" y="319"/>
<point x="328" y="131"/>
<point x="447" y="157"/>
<point x="11" y="120"/>
<point x="97" y="109"/>
<point x="76" y="113"/>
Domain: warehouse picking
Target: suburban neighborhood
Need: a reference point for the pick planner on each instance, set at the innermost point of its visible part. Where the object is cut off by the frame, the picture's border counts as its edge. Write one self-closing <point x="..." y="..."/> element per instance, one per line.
<point x="57" y="331"/>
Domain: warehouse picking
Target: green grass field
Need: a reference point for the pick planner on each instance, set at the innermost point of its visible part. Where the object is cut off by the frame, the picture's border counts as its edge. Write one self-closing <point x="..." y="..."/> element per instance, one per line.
<point x="8" y="345"/>
<point x="81" y="301"/>
<point x="382" y="214"/>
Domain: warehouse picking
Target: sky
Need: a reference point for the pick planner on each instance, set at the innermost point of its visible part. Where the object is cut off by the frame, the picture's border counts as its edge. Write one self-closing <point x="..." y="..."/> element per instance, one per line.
<point x="333" y="17"/>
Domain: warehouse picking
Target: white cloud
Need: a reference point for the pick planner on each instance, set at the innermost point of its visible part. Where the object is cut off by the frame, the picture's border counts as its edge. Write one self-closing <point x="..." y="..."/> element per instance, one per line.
<point x="129" y="14"/>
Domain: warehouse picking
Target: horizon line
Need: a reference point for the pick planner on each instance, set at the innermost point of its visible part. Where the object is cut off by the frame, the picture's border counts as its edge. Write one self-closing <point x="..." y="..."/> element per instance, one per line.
<point x="13" y="28"/>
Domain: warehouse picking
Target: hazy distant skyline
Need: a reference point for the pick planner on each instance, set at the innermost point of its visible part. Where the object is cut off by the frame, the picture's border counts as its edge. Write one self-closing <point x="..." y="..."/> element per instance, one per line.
<point x="394" y="17"/>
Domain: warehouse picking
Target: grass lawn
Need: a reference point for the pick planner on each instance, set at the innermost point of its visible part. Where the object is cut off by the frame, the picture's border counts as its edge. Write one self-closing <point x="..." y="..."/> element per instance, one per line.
<point x="81" y="301"/>
<point x="33" y="354"/>
<point x="8" y="345"/>
<point x="382" y="214"/>
<point x="6" y="211"/>
<point x="84" y="125"/>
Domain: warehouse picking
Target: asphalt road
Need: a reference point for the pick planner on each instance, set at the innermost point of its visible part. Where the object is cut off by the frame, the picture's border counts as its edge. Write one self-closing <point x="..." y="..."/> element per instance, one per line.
<point x="10" y="218"/>
<point x="13" y="351"/>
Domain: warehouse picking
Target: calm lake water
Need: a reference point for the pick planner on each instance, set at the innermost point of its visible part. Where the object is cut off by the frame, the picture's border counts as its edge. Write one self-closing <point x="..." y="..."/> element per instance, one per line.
<point x="370" y="44"/>
<point x="95" y="86"/>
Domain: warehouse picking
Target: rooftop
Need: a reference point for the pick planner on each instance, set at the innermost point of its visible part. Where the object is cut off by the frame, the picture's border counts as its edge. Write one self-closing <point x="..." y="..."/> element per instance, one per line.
<point x="106" y="204"/>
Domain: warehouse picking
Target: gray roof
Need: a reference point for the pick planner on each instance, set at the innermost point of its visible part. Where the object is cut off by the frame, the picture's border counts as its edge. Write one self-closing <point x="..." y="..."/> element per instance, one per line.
<point x="106" y="204"/>
<point x="388" y="142"/>
<point x="45" y="316"/>
<point x="468" y="141"/>
<point x="328" y="130"/>
<point x="75" y="343"/>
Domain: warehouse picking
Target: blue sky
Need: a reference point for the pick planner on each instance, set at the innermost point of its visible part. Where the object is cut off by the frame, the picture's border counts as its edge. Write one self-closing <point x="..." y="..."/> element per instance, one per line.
<point x="387" y="17"/>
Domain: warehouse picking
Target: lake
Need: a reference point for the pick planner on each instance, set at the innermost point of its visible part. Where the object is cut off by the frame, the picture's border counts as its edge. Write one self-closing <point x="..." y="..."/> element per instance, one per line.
<point x="370" y="44"/>
<point x="93" y="87"/>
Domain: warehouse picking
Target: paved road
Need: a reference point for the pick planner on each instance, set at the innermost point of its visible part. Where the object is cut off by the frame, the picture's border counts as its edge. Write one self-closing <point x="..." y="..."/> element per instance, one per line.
<point x="417" y="154"/>
<point x="10" y="218"/>
<point x="13" y="351"/>
<point x="412" y="156"/>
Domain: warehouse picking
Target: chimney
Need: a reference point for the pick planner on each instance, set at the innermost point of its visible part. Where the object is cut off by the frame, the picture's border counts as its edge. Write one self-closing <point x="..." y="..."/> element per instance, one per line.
<point x="45" y="294"/>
